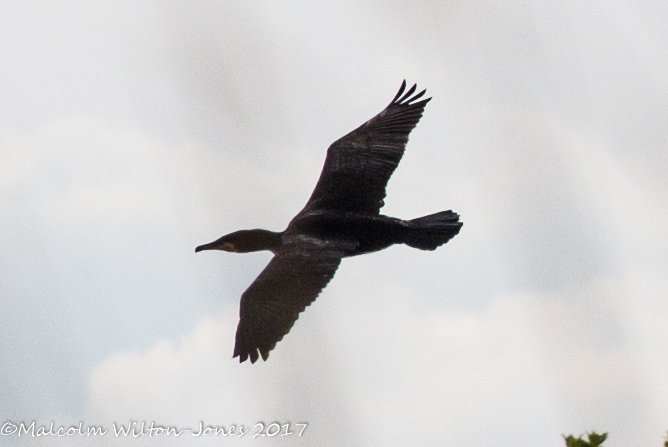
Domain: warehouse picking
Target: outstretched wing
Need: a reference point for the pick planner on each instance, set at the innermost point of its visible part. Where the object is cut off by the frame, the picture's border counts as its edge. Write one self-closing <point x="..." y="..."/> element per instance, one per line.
<point x="290" y="282"/>
<point x="359" y="165"/>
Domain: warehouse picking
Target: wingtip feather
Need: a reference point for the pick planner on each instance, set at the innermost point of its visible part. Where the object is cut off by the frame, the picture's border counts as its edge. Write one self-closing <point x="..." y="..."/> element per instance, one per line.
<point x="405" y="99"/>
<point x="418" y="96"/>
<point x="401" y="90"/>
<point x="408" y="94"/>
<point x="265" y="354"/>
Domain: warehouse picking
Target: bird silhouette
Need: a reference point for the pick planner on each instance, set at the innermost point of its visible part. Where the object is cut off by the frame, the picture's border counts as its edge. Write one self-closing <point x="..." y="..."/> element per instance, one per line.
<point x="340" y="219"/>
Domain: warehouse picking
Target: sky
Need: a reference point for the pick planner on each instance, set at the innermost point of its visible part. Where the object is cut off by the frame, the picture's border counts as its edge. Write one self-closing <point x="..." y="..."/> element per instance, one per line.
<point x="133" y="131"/>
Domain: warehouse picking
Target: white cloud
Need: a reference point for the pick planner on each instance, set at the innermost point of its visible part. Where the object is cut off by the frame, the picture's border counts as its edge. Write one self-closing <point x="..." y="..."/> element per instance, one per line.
<point x="170" y="380"/>
<point x="546" y="134"/>
<point x="530" y="366"/>
<point x="196" y="380"/>
<point x="367" y="363"/>
<point x="597" y="357"/>
<point x="79" y="167"/>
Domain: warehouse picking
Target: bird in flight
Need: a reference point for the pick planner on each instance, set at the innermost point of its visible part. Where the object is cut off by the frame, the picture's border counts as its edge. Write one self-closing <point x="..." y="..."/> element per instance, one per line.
<point x="340" y="219"/>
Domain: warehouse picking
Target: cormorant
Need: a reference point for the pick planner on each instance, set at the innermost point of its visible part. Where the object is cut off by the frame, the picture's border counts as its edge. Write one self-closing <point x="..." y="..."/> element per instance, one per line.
<point x="340" y="219"/>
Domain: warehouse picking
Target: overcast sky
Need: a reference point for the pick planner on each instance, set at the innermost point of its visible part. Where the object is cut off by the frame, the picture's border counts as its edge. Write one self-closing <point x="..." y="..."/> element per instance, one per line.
<point x="133" y="131"/>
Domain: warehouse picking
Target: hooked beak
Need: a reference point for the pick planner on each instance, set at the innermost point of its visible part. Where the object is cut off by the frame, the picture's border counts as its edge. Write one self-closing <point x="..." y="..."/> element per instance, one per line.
<point x="215" y="245"/>
<point x="203" y="247"/>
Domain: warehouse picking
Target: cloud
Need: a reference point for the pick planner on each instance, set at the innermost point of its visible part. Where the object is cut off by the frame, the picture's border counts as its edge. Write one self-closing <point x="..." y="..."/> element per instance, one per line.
<point x="530" y="365"/>
<point x="125" y="212"/>
<point x="373" y="352"/>
<point x="99" y="225"/>
<point x="545" y="315"/>
<point x="162" y="383"/>
<point x="597" y="357"/>
<point x="195" y="380"/>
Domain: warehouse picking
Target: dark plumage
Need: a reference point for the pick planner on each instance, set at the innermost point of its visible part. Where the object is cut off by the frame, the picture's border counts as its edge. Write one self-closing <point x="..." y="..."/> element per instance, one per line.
<point x="340" y="219"/>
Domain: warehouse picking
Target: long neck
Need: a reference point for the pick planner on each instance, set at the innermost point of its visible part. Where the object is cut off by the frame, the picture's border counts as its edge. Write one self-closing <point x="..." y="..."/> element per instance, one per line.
<point x="258" y="240"/>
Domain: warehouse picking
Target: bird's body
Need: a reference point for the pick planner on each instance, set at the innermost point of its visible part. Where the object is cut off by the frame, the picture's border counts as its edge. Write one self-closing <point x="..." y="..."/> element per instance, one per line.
<point x="341" y="219"/>
<point x="365" y="233"/>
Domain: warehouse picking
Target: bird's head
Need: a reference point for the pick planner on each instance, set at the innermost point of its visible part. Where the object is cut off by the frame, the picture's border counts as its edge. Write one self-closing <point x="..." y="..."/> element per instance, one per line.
<point x="245" y="241"/>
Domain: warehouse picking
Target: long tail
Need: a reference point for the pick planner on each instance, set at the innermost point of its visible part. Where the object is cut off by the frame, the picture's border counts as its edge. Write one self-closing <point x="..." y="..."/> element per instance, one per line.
<point x="430" y="232"/>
